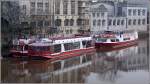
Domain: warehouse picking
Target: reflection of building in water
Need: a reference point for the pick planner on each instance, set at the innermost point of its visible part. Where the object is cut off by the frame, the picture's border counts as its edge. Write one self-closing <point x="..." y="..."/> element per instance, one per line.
<point x="107" y="64"/>
<point x="59" y="71"/>
<point x="125" y="52"/>
<point x="139" y="60"/>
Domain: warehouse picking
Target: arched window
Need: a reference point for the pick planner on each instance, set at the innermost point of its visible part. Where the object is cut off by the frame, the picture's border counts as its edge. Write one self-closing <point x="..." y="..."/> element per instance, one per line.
<point x="143" y="21"/>
<point x="71" y="22"/>
<point x="103" y="22"/>
<point x="134" y="22"/>
<point x="66" y="22"/>
<point x="114" y="22"/>
<point x="139" y="22"/>
<point x="58" y="22"/>
<point x="79" y="22"/>
<point x="122" y="22"/>
<point x="109" y="23"/>
<point x="99" y="22"/>
<point x="118" y="22"/>
<point x="94" y="22"/>
<point x="129" y="22"/>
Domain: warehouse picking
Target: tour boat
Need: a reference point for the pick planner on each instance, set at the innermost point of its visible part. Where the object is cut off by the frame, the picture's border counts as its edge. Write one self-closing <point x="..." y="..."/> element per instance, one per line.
<point x="111" y="39"/>
<point x="20" y="47"/>
<point x="60" y="47"/>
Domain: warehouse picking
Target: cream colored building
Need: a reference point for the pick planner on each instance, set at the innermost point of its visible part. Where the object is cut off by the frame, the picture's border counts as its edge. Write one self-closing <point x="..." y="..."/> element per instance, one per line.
<point x="54" y="16"/>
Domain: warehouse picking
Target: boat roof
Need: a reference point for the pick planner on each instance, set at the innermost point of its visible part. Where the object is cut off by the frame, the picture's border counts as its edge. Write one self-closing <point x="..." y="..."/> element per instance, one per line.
<point x="48" y="42"/>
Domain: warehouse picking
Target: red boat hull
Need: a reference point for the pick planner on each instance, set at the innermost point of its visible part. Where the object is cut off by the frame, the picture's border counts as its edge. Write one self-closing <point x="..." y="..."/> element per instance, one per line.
<point x="15" y="53"/>
<point x="116" y="44"/>
<point x="67" y="54"/>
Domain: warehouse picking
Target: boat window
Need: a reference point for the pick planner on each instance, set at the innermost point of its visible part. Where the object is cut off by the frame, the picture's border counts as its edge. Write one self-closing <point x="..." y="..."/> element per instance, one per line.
<point x="17" y="47"/>
<point x="84" y="44"/>
<point x="39" y="48"/>
<point x="89" y="44"/>
<point x="68" y="46"/>
<point x="77" y="45"/>
<point x="113" y="40"/>
<point x="126" y="39"/>
<point x="101" y="39"/>
<point x="26" y="47"/>
<point x="117" y="40"/>
<point x="57" y="48"/>
<point x="71" y="46"/>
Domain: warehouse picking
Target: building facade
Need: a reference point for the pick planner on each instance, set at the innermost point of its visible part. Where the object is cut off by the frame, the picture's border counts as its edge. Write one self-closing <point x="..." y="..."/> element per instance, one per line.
<point x="118" y="16"/>
<point x="54" y="16"/>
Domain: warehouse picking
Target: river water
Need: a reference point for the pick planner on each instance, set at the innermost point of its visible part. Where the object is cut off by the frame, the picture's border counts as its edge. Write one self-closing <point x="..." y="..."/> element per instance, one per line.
<point x="129" y="65"/>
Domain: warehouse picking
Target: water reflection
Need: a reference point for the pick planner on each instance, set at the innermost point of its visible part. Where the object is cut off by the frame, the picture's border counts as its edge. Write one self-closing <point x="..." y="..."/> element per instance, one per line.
<point x="124" y="66"/>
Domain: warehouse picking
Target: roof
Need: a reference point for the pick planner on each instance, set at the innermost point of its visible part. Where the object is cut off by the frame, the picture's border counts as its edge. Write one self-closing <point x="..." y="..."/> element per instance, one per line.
<point x="101" y="8"/>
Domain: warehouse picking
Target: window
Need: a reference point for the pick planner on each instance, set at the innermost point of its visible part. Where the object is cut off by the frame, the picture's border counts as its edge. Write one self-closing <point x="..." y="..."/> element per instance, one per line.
<point x="97" y="14"/>
<point x="139" y="22"/>
<point x="93" y="14"/>
<point x="32" y="4"/>
<point x="109" y="23"/>
<point x="114" y="22"/>
<point x="57" y="6"/>
<point x="134" y="12"/>
<point x="139" y="12"/>
<point x="99" y="22"/>
<point x="122" y="22"/>
<point x="87" y="44"/>
<point x="129" y="12"/>
<point x="103" y="22"/>
<point x="118" y="22"/>
<point x="46" y="23"/>
<point x="65" y="6"/>
<point x="66" y="22"/>
<point x="126" y="39"/>
<point x="39" y="48"/>
<point x="72" y="6"/>
<point x="94" y="22"/>
<point x="57" y="48"/>
<point x="46" y="8"/>
<point x="58" y="22"/>
<point x="102" y="14"/>
<point x="40" y="23"/>
<point x="71" y="22"/>
<point x="71" y="46"/>
<point x="33" y="24"/>
<point x="143" y="21"/>
<point x="39" y="7"/>
<point x="129" y="22"/>
<point x="143" y="12"/>
<point x="134" y="22"/>
<point x="79" y="22"/>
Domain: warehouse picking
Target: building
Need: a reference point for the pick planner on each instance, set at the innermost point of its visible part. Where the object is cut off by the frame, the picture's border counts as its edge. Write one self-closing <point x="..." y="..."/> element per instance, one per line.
<point x="112" y="15"/>
<point x="54" y="16"/>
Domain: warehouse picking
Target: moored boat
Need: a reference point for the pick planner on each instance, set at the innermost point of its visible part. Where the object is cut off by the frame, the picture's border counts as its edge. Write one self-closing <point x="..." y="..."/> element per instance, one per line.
<point x="111" y="39"/>
<point x="20" y="47"/>
<point x="62" y="47"/>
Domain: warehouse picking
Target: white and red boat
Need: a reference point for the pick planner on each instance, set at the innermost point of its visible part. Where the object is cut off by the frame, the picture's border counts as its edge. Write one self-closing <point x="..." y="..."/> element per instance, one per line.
<point x="20" y="47"/>
<point x="60" y="47"/>
<point x="111" y="39"/>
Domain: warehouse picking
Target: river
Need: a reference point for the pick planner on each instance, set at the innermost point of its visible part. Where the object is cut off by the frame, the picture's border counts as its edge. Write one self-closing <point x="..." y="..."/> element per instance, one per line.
<point x="129" y="65"/>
